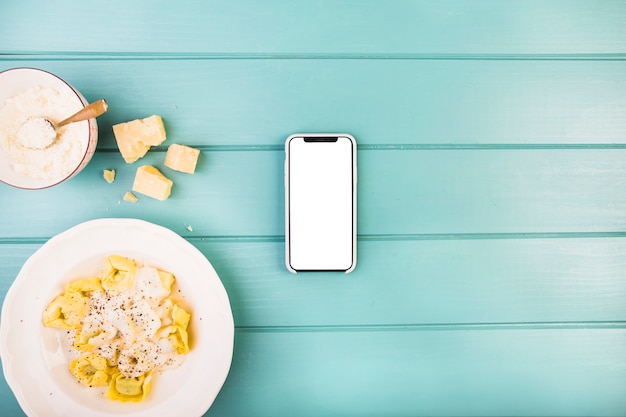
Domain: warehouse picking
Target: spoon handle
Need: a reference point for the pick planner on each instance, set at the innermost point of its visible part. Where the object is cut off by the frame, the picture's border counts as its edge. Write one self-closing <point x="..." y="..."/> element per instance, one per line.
<point x="94" y="109"/>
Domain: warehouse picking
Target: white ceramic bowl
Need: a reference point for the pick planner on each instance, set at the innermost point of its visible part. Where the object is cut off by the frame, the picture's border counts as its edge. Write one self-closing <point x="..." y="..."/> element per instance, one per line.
<point x="17" y="80"/>
<point x="36" y="366"/>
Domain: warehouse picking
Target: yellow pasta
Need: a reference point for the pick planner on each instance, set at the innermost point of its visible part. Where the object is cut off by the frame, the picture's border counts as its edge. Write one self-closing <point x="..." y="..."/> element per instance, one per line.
<point x="88" y="341"/>
<point x="119" y="274"/>
<point x="81" y="341"/>
<point x="176" y="333"/>
<point x="91" y="370"/>
<point x="124" y="325"/>
<point x="66" y="311"/>
<point x="167" y="280"/>
<point x="84" y="286"/>
<point x="123" y="388"/>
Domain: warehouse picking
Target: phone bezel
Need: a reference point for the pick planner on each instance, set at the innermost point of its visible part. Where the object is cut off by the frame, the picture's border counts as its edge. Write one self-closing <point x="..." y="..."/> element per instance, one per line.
<point x="354" y="198"/>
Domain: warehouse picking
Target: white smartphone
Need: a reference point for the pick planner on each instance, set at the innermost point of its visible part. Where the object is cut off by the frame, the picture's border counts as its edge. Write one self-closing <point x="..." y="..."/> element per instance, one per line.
<point x="320" y="202"/>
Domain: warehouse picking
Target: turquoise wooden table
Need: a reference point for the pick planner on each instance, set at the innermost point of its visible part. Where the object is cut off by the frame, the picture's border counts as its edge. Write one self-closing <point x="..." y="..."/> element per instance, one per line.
<point x="491" y="275"/>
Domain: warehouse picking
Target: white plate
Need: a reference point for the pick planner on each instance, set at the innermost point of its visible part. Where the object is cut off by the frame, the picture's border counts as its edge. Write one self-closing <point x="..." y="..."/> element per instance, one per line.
<point x="37" y="369"/>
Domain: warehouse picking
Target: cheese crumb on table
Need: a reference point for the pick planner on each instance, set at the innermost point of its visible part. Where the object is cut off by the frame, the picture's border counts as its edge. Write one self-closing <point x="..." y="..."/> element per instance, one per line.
<point x="182" y="158"/>
<point x="151" y="182"/>
<point x="109" y="175"/>
<point x="135" y="138"/>
<point x="130" y="197"/>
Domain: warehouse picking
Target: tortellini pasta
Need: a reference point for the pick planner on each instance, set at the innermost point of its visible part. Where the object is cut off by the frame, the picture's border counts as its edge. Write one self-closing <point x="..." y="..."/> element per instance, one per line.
<point x="87" y="341"/>
<point x="84" y="286"/>
<point x="91" y="370"/>
<point x="119" y="274"/>
<point x="124" y="325"/>
<point x="176" y="333"/>
<point x="125" y="388"/>
<point x="66" y="311"/>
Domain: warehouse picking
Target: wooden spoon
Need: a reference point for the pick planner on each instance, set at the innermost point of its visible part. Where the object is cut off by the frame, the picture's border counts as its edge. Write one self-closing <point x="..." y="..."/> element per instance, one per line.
<point x="39" y="132"/>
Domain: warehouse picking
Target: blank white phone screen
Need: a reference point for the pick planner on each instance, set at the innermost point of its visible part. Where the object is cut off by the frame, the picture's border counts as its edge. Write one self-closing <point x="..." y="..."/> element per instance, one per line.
<point x="320" y="203"/>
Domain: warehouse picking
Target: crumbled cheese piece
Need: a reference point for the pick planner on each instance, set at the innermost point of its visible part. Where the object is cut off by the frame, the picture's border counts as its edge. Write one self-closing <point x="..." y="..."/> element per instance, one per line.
<point x="130" y="197"/>
<point x="189" y="228"/>
<point x="134" y="138"/>
<point x="182" y="158"/>
<point x="151" y="182"/>
<point x="109" y="175"/>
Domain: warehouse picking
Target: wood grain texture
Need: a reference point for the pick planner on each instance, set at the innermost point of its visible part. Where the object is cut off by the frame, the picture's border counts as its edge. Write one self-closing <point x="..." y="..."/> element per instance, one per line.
<point x="434" y="373"/>
<point x="418" y="284"/>
<point x="399" y="192"/>
<point x="491" y="275"/>
<point x="301" y="27"/>
<point x="402" y="102"/>
<point x="437" y="373"/>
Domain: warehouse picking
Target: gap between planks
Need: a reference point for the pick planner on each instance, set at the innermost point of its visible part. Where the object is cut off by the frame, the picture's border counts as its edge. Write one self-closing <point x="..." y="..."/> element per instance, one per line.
<point x="577" y="325"/>
<point x="190" y="56"/>
<point x="409" y="147"/>
<point x="38" y="240"/>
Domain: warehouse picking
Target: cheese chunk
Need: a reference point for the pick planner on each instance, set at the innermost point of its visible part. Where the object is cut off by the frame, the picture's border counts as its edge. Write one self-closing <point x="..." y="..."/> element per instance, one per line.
<point x="134" y="138"/>
<point x="150" y="181"/>
<point x="109" y="175"/>
<point x="182" y="158"/>
<point x="130" y="197"/>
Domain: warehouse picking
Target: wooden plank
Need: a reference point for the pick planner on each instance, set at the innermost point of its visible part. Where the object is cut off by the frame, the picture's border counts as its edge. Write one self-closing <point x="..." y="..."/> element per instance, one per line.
<point x="430" y="282"/>
<point x="388" y="102"/>
<point x="417" y="283"/>
<point x="492" y="266"/>
<point x="10" y="407"/>
<point x="12" y="257"/>
<point x="440" y="373"/>
<point x="421" y="373"/>
<point x="303" y="27"/>
<point x="413" y="192"/>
